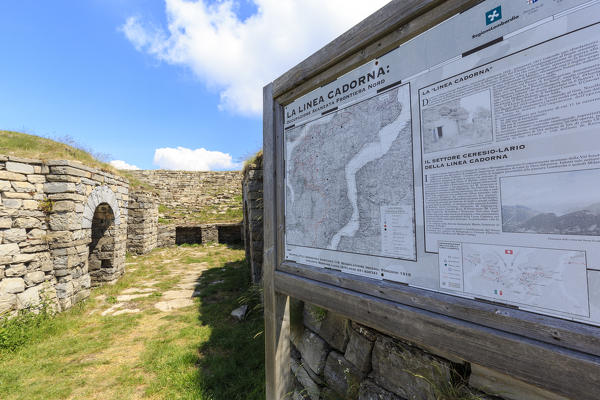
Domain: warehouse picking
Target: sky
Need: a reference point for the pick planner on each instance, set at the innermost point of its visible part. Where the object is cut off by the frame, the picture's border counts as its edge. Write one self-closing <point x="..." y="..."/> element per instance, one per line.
<point x="172" y="84"/>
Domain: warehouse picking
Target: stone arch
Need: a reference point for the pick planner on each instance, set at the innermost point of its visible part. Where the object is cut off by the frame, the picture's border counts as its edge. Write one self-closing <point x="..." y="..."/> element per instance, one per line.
<point x="100" y="194"/>
<point x="102" y="257"/>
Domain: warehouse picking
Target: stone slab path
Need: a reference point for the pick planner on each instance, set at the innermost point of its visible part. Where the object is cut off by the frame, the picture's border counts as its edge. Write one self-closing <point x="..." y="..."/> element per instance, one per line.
<point x="180" y="296"/>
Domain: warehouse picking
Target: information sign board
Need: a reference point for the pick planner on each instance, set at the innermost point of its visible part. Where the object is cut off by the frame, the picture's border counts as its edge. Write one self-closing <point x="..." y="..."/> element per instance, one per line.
<point x="466" y="161"/>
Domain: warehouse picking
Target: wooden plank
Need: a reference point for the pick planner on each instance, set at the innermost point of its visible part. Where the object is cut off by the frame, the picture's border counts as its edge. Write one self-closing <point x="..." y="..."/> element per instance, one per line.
<point x="324" y="66"/>
<point x="568" y="334"/>
<point x="570" y="373"/>
<point x="279" y="180"/>
<point x="276" y="305"/>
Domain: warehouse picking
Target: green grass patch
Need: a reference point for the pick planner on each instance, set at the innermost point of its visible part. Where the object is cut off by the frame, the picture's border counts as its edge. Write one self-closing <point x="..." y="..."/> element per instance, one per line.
<point x="197" y="352"/>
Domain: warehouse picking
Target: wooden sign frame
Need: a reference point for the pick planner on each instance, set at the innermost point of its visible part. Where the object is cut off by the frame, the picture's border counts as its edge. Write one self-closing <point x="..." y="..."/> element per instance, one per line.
<point x="557" y="355"/>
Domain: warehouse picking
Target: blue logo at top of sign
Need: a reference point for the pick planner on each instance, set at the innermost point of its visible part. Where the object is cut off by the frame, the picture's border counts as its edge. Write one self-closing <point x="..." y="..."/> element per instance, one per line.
<point x="493" y="15"/>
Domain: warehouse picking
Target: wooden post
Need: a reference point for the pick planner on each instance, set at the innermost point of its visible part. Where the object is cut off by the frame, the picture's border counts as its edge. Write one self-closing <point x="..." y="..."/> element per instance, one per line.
<point x="277" y="342"/>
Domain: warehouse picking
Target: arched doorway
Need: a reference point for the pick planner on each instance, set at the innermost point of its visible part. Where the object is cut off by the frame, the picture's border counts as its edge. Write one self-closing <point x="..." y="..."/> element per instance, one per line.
<point x="101" y="263"/>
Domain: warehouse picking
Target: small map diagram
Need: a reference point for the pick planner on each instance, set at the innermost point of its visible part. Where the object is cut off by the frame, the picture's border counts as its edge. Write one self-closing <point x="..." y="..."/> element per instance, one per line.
<point x="546" y="278"/>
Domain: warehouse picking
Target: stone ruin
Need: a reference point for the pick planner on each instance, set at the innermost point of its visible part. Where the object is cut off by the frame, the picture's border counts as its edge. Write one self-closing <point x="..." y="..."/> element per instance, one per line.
<point x="65" y="227"/>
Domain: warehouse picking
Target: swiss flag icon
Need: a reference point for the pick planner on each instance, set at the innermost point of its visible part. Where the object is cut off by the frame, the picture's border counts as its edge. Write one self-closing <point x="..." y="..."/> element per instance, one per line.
<point x="508" y="251"/>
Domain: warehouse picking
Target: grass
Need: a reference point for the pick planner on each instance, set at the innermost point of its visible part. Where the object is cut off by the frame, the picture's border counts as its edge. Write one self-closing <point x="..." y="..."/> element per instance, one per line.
<point x="254" y="161"/>
<point x="196" y="352"/>
<point x="31" y="146"/>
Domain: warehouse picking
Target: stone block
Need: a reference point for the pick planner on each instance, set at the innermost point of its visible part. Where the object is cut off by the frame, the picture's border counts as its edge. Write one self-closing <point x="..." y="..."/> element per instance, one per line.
<point x="15" y="235"/>
<point x="64" y="170"/>
<point x="314" y="351"/>
<point x="18" y="195"/>
<point x="63" y="178"/>
<point x="12" y="203"/>
<point x="30" y="204"/>
<point x="33" y="278"/>
<point x="81" y="295"/>
<point x="24" y="258"/>
<point x="341" y="376"/>
<point x="36" y="179"/>
<point x="63" y="205"/>
<point x="370" y="391"/>
<point x="27" y="222"/>
<point x="311" y="388"/>
<point x="15" y="270"/>
<point x="64" y="304"/>
<point x="59" y="187"/>
<point x="358" y="351"/>
<point x="65" y="222"/>
<point x="496" y="383"/>
<point x="29" y="298"/>
<point x="19" y="167"/>
<point x="12" y="285"/>
<point x="407" y="371"/>
<point x="5" y="222"/>
<point x="12" y="176"/>
<point x="332" y="327"/>
<point x="9" y="249"/>
<point x="66" y="196"/>
<point x="64" y="290"/>
<point x="7" y="302"/>
<point x="4" y="186"/>
<point x="23" y="187"/>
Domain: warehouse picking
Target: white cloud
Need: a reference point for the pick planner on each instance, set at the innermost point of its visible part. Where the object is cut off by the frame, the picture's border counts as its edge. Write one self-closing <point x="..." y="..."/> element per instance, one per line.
<point x="237" y="57"/>
<point x="120" y="164"/>
<point x="193" y="160"/>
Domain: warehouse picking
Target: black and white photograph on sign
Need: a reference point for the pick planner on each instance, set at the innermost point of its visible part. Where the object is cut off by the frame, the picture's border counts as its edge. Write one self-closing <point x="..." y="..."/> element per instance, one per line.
<point x="349" y="183"/>
<point x="561" y="203"/>
<point x="458" y="123"/>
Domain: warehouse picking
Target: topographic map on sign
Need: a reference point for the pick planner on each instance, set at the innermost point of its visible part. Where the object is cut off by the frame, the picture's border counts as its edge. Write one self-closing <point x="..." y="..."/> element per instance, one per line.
<point x="349" y="181"/>
<point x="548" y="278"/>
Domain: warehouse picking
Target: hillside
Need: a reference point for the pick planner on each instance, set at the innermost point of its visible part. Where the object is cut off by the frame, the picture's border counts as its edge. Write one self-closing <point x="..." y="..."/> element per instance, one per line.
<point x="31" y="146"/>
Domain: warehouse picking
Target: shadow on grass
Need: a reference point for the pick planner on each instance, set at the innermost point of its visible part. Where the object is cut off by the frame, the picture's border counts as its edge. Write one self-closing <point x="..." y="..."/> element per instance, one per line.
<point x="231" y="362"/>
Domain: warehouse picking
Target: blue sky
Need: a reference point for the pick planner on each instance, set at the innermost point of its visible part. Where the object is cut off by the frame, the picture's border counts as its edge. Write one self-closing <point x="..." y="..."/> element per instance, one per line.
<point x="128" y="77"/>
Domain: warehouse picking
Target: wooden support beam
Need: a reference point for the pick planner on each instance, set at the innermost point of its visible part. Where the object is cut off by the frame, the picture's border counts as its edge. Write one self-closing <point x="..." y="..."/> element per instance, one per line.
<point x="277" y="342"/>
<point x="570" y="373"/>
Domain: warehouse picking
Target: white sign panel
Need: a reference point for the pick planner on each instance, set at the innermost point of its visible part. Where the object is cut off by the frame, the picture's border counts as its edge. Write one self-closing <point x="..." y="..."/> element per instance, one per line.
<point x="466" y="161"/>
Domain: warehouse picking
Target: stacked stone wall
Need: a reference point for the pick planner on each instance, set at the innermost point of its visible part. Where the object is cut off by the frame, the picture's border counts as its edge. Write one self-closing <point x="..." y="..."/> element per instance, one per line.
<point x="214" y="192"/>
<point x="46" y="215"/>
<point x="142" y="226"/>
<point x="166" y="235"/>
<point x="336" y="358"/>
<point x="252" y="197"/>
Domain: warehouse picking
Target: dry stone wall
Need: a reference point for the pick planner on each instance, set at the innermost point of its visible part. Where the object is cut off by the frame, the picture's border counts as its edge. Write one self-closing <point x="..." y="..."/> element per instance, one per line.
<point x="142" y="226"/>
<point x="252" y="197"/>
<point x="49" y="218"/>
<point x="335" y="358"/>
<point x="195" y="191"/>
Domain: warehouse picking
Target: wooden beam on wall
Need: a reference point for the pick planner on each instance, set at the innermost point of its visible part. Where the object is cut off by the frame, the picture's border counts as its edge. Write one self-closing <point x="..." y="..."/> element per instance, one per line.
<point x="556" y="331"/>
<point x="276" y="305"/>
